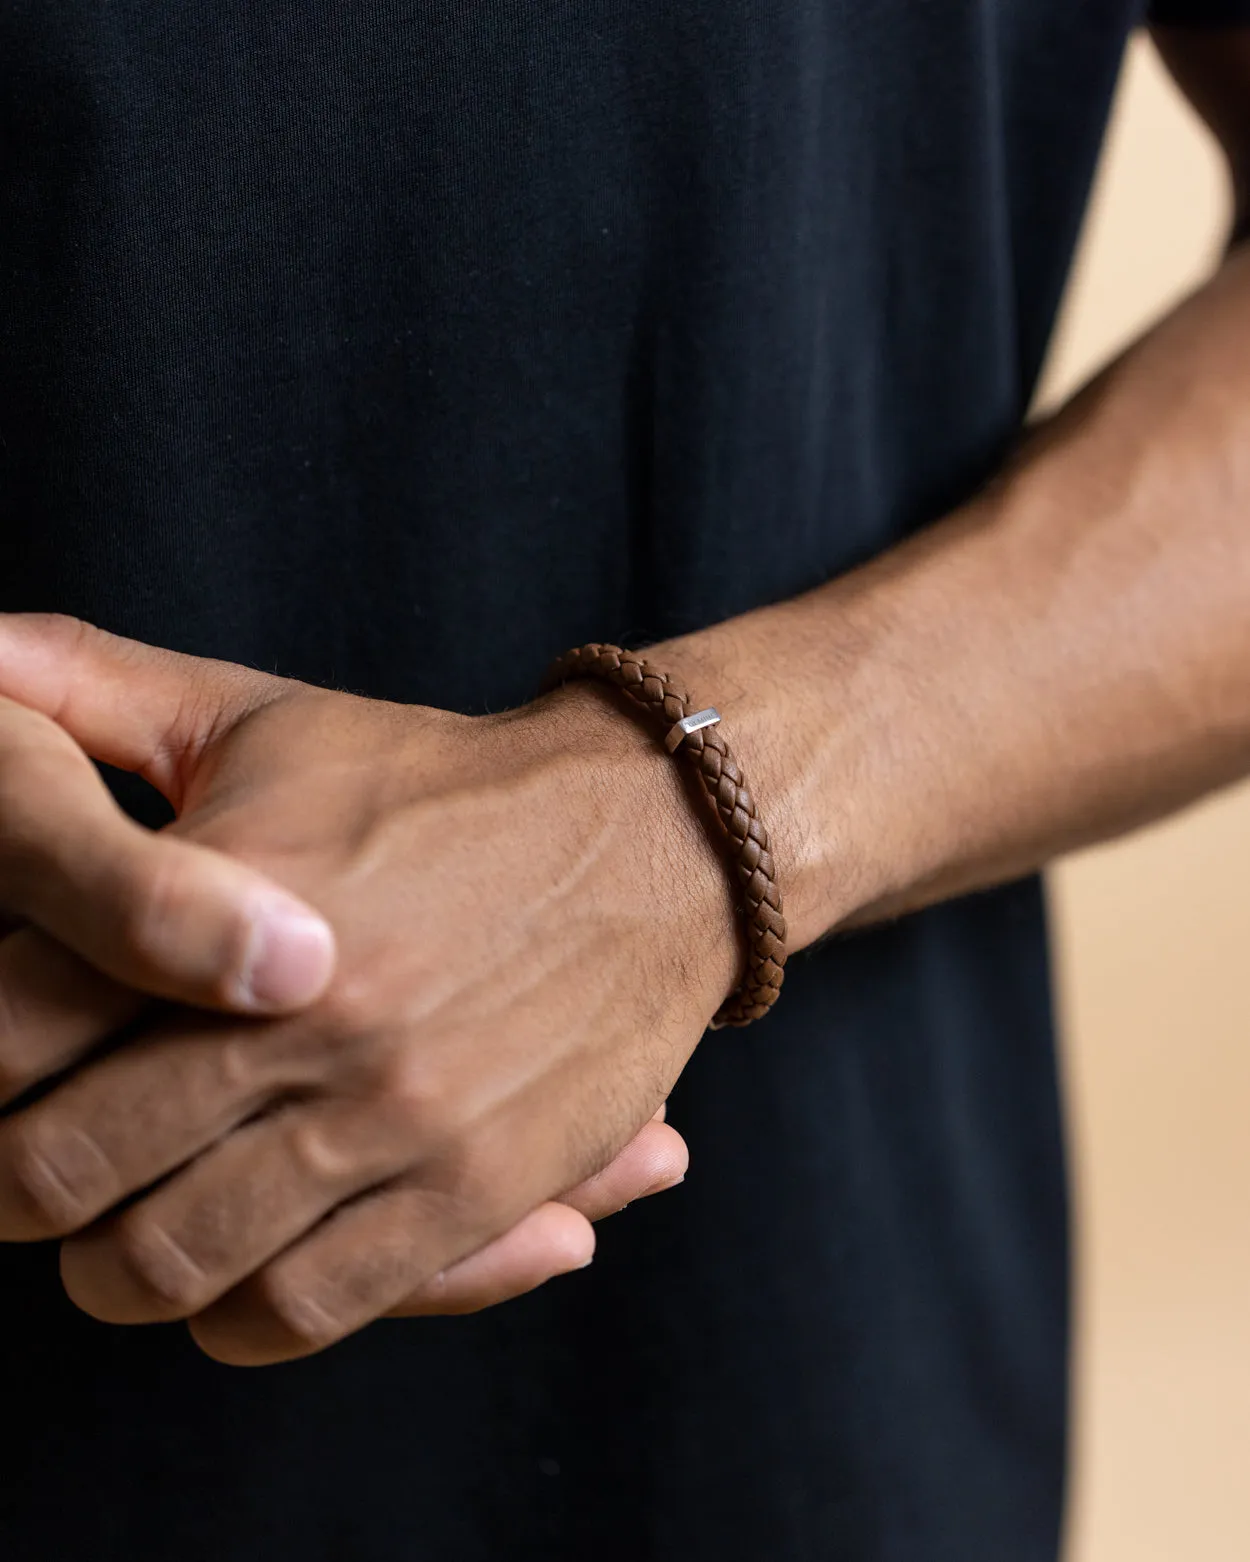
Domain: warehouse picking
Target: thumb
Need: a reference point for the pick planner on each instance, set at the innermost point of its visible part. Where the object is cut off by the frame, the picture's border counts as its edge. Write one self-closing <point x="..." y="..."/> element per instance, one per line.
<point x="156" y="913"/>
<point x="131" y="705"/>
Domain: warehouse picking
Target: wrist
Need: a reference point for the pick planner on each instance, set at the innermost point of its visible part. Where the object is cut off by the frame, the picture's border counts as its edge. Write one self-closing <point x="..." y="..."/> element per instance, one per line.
<point x="777" y="714"/>
<point x="602" y="763"/>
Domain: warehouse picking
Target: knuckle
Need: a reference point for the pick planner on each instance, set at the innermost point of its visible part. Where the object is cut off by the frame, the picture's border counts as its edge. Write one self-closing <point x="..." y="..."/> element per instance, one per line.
<point x="318" y="1158"/>
<point x="63" y="633"/>
<point x="349" y="1008"/>
<point x="63" y="629"/>
<point x="430" y="1116"/>
<point x="297" y="1312"/>
<point x="52" y="1191"/>
<point x="237" y="1065"/>
<point x="159" y="1268"/>
<point x="463" y="1179"/>
<point x="571" y="1245"/>
<point x="155" y="902"/>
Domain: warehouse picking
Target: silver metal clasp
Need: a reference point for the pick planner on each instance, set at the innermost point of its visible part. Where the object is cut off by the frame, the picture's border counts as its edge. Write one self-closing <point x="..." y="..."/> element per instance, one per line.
<point x="681" y="730"/>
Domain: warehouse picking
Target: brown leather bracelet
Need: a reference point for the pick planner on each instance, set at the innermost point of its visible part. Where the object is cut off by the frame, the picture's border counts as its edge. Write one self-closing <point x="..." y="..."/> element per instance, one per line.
<point x="695" y="735"/>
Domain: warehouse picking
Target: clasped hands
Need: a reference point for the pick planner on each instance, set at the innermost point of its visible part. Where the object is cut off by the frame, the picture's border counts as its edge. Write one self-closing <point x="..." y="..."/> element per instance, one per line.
<point x="338" y="1041"/>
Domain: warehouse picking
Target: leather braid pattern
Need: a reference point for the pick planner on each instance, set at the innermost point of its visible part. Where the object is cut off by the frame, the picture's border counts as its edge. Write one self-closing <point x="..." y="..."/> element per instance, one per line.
<point x="664" y="702"/>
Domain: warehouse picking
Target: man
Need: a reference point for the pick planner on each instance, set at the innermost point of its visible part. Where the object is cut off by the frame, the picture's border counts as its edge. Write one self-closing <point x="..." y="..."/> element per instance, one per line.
<point x="396" y="349"/>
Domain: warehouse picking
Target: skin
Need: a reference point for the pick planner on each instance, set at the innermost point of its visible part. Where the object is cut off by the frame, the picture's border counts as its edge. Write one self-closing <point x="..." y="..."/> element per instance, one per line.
<point x="405" y="829"/>
<point x="529" y="929"/>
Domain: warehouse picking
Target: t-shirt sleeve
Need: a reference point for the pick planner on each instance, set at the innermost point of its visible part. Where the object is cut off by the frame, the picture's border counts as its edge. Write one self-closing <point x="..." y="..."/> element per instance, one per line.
<point x="1199" y="13"/>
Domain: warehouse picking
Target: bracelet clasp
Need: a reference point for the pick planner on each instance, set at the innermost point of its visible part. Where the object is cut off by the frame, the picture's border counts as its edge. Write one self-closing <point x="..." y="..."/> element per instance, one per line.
<point x="681" y="730"/>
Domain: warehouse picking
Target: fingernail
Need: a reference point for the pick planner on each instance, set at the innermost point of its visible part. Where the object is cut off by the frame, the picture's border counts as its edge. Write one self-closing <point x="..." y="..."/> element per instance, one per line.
<point x="663" y="1187"/>
<point x="289" y="956"/>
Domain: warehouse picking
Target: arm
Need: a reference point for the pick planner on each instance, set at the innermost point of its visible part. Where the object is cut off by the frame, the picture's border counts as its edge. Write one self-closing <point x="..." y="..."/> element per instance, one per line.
<point x="1061" y="659"/>
<point x="1064" y="658"/>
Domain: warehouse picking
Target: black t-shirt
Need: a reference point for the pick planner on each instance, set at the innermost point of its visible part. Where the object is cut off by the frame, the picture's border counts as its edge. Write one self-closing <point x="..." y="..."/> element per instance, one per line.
<point x="336" y="332"/>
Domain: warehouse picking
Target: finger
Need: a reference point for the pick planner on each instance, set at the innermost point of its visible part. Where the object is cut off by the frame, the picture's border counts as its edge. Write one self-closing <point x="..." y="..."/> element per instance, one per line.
<point x="553" y="1240"/>
<point x="132" y="705"/>
<point x="159" y="914"/>
<point x="266" y="1184"/>
<point x="114" y="1128"/>
<point x="54" y="1007"/>
<point x="366" y="1258"/>
<point x="547" y="1242"/>
<point x="655" y="1160"/>
<point x="245" y="1199"/>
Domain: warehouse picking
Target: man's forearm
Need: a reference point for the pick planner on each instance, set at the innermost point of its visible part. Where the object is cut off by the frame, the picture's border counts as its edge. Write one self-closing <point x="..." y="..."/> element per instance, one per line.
<point x="1062" y="659"/>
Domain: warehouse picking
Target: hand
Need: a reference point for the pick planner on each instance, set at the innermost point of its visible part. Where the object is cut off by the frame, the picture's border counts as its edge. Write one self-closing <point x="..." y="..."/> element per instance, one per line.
<point x="557" y="1237"/>
<point x="175" y="920"/>
<point x="144" y="913"/>
<point x="532" y="934"/>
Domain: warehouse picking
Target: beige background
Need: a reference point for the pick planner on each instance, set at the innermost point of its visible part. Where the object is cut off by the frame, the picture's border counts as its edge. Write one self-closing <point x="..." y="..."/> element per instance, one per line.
<point x="1154" y="955"/>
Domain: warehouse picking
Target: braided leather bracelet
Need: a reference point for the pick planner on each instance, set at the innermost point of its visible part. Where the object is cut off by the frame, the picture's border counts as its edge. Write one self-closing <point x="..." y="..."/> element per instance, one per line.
<point x="694" y="735"/>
